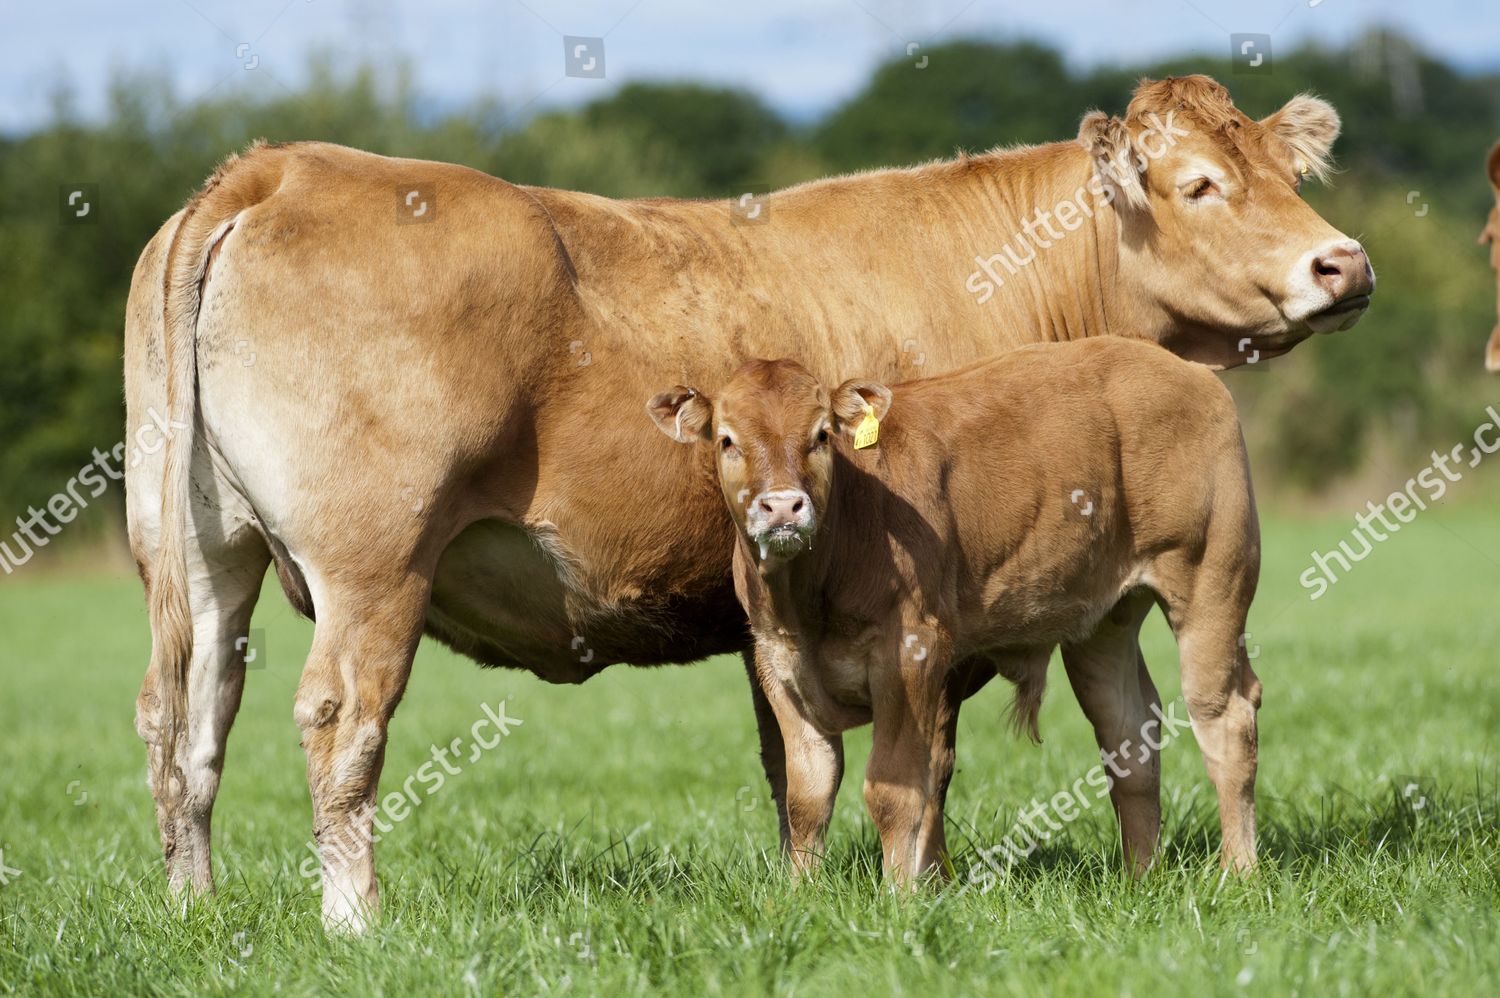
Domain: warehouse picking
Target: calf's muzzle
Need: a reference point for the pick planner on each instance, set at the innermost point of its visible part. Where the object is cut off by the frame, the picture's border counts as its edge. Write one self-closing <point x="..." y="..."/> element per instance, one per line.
<point x="780" y="521"/>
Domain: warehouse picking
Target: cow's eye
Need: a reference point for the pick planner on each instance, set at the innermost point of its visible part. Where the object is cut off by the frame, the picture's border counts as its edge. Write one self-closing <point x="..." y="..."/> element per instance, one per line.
<point x="822" y="438"/>
<point x="727" y="446"/>
<point x="1200" y="189"/>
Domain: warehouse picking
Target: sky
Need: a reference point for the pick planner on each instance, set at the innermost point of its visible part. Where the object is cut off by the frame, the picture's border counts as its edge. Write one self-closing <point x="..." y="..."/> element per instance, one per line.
<point x="803" y="56"/>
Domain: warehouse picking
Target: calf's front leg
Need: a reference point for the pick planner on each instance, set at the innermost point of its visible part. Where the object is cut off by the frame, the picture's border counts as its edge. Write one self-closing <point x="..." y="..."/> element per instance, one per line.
<point x="812" y="769"/>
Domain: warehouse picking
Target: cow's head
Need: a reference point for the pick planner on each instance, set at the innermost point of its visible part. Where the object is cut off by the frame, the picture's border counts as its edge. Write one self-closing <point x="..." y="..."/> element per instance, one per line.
<point x="1214" y="235"/>
<point x="772" y="429"/>
<point x="1491" y="234"/>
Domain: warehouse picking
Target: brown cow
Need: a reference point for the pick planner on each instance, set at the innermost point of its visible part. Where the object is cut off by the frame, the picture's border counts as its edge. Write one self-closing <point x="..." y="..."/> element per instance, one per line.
<point x="1491" y="234"/>
<point x="1046" y="497"/>
<point x="407" y="385"/>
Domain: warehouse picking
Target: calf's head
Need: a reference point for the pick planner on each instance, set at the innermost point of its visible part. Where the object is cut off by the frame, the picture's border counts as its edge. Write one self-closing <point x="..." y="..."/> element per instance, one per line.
<point x="1491" y="234"/>
<point x="772" y="430"/>
<point x="1230" y="261"/>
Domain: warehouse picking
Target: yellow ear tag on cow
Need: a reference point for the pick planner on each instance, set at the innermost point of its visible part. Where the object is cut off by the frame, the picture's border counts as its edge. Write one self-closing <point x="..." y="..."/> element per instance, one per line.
<point x="867" y="433"/>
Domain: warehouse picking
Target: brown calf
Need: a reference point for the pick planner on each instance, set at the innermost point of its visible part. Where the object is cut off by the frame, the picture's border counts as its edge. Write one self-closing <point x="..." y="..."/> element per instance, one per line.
<point x="1045" y="498"/>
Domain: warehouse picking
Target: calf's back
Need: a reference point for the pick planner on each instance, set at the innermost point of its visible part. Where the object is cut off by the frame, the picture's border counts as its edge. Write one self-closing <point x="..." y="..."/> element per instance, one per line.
<point x="1024" y="496"/>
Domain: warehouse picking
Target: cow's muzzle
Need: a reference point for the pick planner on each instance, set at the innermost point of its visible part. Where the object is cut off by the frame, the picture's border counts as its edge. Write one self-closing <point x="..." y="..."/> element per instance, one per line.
<point x="1344" y="273"/>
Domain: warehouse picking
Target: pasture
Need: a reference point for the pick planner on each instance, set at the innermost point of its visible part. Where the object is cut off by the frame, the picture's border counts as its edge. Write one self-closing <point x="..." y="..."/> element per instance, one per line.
<point x="620" y="840"/>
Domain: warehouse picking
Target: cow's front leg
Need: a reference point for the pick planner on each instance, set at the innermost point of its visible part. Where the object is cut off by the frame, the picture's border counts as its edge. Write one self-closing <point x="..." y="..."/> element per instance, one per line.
<point x="911" y="762"/>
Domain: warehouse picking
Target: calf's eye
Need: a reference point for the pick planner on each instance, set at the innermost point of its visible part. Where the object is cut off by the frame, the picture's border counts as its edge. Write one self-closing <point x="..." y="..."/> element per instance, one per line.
<point x="727" y="445"/>
<point x="823" y="437"/>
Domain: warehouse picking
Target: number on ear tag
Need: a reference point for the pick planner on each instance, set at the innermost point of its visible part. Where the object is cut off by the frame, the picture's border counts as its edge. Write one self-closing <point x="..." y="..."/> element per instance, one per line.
<point x="867" y="433"/>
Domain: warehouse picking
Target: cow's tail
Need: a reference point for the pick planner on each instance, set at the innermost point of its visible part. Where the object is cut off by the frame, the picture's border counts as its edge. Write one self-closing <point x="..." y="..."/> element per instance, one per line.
<point x="207" y="219"/>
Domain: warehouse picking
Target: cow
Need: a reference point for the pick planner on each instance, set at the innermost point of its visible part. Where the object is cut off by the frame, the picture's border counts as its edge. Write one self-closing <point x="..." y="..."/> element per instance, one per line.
<point x="401" y="383"/>
<point x="1490" y="235"/>
<point x="1051" y="496"/>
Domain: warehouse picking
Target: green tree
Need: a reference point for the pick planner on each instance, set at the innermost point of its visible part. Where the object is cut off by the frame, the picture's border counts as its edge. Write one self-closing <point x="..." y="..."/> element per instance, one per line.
<point x="720" y="138"/>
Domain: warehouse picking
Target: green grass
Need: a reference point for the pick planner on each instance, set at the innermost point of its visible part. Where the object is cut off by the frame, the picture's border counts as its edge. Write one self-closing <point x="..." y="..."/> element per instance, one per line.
<point x="620" y="840"/>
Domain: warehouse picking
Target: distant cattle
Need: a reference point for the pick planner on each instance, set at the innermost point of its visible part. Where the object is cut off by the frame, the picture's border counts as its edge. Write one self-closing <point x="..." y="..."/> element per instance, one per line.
<point x="1491" y="234"/>
<point x="1049" y="497"/>
<point x="408" y="387"/>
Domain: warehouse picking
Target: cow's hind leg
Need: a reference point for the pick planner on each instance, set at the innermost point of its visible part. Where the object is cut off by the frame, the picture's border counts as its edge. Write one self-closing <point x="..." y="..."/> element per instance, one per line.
<point x="356" y="672"/>
<point x="224" y="579"/>
<point x="1109" y="677"/>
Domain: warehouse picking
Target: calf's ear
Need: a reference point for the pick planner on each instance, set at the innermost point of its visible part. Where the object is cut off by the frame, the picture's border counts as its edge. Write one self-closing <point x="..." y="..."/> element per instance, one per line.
<point x="1117" y="163"/>
<point x="1308" y="125"/>
<point x="849" y="400"/>
<point x="682" y="413"/>
<point x="1492" y="167"/>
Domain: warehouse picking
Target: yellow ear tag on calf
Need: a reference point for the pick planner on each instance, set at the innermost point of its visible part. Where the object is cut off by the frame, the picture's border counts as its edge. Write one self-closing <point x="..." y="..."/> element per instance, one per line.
<point x="867" y="433"/>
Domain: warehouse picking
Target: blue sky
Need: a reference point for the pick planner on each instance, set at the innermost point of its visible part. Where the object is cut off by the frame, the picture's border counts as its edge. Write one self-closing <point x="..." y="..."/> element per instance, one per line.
<point x="803" y="57"/>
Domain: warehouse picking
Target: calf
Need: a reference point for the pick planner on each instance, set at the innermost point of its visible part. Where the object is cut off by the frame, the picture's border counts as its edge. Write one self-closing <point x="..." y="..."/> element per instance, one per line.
<point x="898" y="547"/>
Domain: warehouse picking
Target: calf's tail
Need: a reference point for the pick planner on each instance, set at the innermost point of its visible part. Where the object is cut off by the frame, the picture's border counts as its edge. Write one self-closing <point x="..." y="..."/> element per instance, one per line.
<point x="1026" y="707"/>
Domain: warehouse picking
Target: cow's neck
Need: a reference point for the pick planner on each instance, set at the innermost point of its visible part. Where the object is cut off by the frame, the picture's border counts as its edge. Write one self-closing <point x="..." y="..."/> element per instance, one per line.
<point x="1055" y="274"/>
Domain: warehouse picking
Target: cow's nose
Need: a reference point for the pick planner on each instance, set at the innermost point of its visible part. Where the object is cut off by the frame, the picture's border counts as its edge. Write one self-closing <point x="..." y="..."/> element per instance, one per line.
<point x="1344" y="271"/>
<point x="782" y="507"/>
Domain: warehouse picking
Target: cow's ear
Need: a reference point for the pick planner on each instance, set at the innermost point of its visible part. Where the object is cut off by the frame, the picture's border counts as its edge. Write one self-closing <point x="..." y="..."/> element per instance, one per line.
<point x="1492" y="167"/>
<point x="1309" y="126"/>
<point x="849" y="400"/>
<point x="682" y="413"/>
<point x="1117" y="164"/>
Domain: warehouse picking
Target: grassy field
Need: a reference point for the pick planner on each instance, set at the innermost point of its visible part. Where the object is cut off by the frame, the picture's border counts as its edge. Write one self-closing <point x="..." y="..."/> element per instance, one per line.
<point x="620" y="840"/>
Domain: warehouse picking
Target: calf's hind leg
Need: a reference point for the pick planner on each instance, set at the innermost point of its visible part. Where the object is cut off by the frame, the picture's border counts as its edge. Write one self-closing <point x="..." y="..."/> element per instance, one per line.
<point x="915" y="707"/>
<point x="1222" y="694"/>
